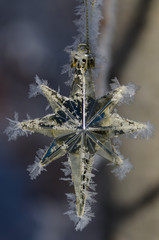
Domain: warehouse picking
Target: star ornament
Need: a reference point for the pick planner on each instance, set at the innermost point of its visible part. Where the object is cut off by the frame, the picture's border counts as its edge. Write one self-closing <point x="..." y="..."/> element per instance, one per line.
<point x="81" y="126"/>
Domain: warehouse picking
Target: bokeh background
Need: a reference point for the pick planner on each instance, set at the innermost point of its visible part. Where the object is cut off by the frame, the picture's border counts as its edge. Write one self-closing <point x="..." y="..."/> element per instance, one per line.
<point x="33" y="35"/>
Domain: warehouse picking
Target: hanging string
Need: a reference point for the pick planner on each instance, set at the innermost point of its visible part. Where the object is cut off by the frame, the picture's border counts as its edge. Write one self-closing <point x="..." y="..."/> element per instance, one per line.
<point x="87" y="19"/>
<point x="87" y="27"/>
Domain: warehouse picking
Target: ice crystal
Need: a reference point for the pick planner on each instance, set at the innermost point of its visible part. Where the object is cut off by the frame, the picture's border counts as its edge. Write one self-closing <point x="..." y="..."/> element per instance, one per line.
<point x="121" y="170"/>
<point x="14" y="129"/>
<point x="35" y="87"/>
<point x="36" y="168"/>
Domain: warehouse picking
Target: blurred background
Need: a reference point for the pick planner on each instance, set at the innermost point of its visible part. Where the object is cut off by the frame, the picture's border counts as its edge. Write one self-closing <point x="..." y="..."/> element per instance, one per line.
<point x="33" y="35"/>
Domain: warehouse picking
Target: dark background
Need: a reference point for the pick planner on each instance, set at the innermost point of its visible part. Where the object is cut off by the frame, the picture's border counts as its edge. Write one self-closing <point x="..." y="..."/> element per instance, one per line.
<point x="33" y="35"/>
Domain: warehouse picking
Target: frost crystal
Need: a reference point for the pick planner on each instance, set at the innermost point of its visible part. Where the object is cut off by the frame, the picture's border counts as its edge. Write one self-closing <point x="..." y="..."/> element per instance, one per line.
<point x="121" y="170"/>
<point x="128" y="92"/>
<point x="34" y="89"/>
<point x="36" y="168"/>
<point x="115" y="84"/>
<point x="15" y="129"/>
<point x="146" y="132"/>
